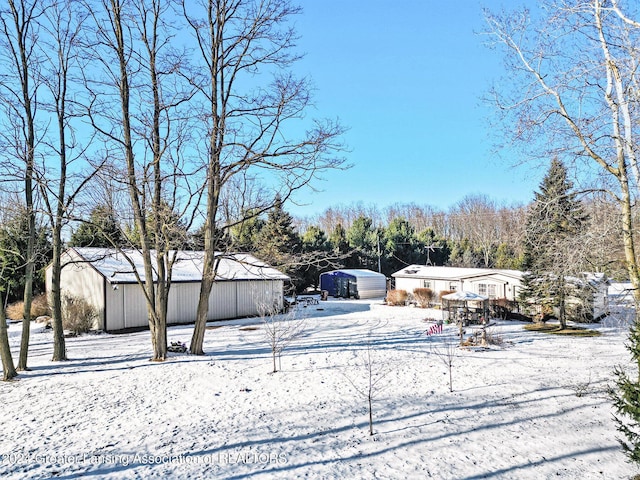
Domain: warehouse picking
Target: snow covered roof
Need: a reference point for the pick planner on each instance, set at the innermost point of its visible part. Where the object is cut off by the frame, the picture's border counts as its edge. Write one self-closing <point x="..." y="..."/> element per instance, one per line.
<point x="465" y="296"/>
<point x="356" y="272"/>
<point x="452" y="273"/>
<point x="117" y="266"/>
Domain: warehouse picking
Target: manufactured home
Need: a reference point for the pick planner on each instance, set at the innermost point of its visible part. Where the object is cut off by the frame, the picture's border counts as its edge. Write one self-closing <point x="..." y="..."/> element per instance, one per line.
<point x="106" y="279"/>
<point x="492" y="283"/>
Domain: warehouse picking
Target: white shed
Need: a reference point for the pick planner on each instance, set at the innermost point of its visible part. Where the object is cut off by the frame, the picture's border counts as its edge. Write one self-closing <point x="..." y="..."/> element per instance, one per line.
<point x="105" y="279"/>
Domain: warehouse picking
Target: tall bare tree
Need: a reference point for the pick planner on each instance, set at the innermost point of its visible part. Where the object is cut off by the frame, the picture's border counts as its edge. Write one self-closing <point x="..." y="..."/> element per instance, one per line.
<point x="252" y="109"/>
<point x="573" y="77"/>
<point x="61" y="27"/>
<point x="20" y="82"/>
<point x="132" y="47"/>
<point x="8" y="367"/>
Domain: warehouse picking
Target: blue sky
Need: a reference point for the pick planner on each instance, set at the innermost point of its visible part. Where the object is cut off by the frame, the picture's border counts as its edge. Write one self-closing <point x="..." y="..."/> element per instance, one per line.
<point x="406" y="78"/>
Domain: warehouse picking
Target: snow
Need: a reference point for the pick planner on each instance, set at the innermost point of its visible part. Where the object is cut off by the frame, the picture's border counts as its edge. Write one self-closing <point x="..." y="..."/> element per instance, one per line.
<point x="116" y="267"/>
<point x="534" y="406"/>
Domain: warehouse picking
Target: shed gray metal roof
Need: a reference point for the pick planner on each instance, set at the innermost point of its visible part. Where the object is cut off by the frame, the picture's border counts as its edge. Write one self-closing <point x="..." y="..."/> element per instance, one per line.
<point x="120" y="267"/>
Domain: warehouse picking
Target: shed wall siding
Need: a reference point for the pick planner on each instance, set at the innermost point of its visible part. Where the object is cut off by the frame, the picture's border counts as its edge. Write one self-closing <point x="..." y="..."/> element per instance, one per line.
<point x="115" y="308"/>
<point x="123" y="305"/>
<point x="80" y="280"/>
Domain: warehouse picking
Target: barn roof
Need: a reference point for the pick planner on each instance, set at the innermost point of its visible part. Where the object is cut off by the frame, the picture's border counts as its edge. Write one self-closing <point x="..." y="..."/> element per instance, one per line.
<point x="120" y="267"/>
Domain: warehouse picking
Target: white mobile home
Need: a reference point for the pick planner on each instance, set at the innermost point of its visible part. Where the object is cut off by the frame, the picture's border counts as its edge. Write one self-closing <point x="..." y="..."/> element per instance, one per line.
<point x="106" y="279"/>
<point x="492" y="283"/>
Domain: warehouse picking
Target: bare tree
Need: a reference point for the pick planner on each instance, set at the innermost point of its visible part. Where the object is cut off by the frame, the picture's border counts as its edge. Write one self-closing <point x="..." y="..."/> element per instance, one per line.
<point x="61" y="26"/>
<point x="245" y="118"/>
<point x="372" y="381"/>
<point x="280" y="330"/>
<point x="476" y="217"/>
<point x="573" y="82"/>
<point x="8" y="367"/>
<point x="447" y="351"/>
<point x="20" y="83"/>
<point x="139" y="70"/>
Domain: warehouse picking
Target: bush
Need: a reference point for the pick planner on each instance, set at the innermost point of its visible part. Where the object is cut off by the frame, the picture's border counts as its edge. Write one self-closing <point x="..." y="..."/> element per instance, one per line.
<point x="424" y="296"/>
<point x="397" y="297"/>
<point x="78" y="316"/>
<point x="39" y="308"/>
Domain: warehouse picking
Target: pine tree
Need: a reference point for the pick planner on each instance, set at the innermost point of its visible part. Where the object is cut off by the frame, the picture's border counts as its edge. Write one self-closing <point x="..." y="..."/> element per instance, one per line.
<point x="555" y="219"/>
<point x="278" y="244"/>
<point x="626" y="400"/>
<point x="13" y="253"/>
<point x="102" y="230"/>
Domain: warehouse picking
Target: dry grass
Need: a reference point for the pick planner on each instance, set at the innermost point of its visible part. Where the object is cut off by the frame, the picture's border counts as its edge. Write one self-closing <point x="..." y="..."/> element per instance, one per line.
<point x="555" y="329"/>
<point x="423" y="296"/>
<point x="39" y="307"/>
<point x="397" y="297"/>
<point x="78" y="316"/>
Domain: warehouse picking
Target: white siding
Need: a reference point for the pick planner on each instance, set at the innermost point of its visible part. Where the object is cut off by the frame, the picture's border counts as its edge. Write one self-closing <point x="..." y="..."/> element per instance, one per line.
<point x="223" y="301"/>
<point x="80" y="280"/>
<point x="115" y="308"/>
<point x="437" y="286"/>
<point x="135" y="306"/>
<point x="183" y="302"/>
<point x="372" y="287"/>
<point x="254" y="297"/>
<point x="123" y="305"/>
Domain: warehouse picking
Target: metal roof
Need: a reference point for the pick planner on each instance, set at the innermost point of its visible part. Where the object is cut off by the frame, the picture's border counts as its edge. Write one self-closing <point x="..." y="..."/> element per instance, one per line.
<point x="120" y="266"/>
<point x="451" y="273"/>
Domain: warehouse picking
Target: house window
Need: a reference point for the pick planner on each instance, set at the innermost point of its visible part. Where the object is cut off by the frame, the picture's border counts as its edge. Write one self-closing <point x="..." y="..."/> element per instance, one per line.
<point x="426" y="284"/>
<point x="492" y="291"/>
<point x="482" y="289"/>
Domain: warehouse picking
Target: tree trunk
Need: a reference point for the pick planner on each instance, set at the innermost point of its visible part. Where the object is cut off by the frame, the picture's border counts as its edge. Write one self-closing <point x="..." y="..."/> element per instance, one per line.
<point x="197" y="339"/>
<point x="28" y="297"/>
<point x="370" y="414"/>
<point x="8" y="368"/>
<point x="59" y="349"/>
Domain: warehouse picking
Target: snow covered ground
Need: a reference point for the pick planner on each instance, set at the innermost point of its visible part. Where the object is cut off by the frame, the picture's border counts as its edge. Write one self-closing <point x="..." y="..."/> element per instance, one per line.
<point x="533" y="407"/>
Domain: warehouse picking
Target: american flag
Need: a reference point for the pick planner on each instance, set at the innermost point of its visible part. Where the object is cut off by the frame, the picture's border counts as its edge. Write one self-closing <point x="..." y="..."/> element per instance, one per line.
<point x="437" y="328"/>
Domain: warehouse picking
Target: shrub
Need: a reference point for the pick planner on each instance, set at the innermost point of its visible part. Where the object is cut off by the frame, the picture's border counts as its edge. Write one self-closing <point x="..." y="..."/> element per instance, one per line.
<point x="15" y="311"/>
<point x="78" y="316"/>
<point x="397" y="297"/>
<point x="39" y="308"/>
<point x="424" y="296"/>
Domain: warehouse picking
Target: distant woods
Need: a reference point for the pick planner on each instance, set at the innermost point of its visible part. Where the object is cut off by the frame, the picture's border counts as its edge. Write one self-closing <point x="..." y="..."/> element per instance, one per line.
<point x="476" y="232"/>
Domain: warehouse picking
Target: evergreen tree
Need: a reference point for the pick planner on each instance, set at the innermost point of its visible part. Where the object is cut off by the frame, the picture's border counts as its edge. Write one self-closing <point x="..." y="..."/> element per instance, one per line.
<point x="279" y="245"/>
<point x="437" y="250"/>
<point x="553" y="223"/>
<point x="245" y="234"/>
<point x="626" y="400"/>
<point x="363" y="239"/>
<point x="101" y="230"/>
<point x="338" y="240"/>
<point x="13" y="252"/>
<point x="401" y="246"/>
<point x="315" y="247"/>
